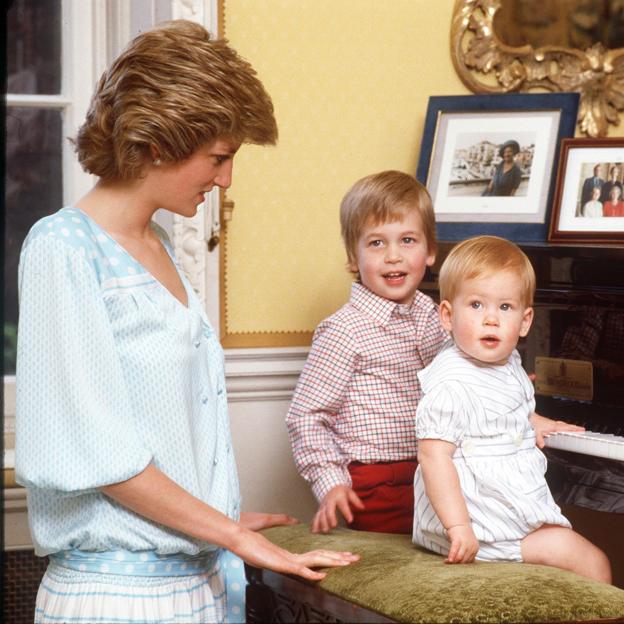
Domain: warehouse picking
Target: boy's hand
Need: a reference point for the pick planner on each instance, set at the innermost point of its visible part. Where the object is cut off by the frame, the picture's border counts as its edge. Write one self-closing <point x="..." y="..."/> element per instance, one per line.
<point x="464" y="544"/>
<point x="342" y="497"/>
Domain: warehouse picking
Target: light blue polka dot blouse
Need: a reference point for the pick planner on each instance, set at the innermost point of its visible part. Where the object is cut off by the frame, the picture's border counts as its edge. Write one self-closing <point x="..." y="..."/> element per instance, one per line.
<point x="113" y="373"/>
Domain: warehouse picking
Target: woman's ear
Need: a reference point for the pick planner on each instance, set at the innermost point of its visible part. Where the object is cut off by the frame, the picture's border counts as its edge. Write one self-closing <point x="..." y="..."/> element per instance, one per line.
<point x="446" y="315"/>
<point x="527" y="319"/>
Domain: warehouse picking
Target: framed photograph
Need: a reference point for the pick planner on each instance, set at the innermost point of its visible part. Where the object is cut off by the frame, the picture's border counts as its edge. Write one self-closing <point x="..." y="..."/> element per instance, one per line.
<point x="589" y="199"/>
<point x="489" y="162"/>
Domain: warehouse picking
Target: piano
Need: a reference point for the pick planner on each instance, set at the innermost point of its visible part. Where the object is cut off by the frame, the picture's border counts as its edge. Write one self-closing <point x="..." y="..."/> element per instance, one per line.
<point x="579" y="323"/>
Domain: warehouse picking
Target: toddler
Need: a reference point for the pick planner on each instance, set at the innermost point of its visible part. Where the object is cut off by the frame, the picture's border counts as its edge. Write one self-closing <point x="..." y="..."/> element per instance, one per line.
<point x="479" y="489"/>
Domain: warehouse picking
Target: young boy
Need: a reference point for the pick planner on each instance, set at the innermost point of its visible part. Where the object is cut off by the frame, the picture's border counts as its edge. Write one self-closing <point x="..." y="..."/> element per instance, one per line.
<point x="351" y="421"/>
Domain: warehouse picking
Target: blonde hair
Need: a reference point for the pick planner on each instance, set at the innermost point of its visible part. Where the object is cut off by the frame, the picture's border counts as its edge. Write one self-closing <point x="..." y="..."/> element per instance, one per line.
<point x="384" y="198"/>
<point x="481" y="256"/>
<point x="173" y="89"/>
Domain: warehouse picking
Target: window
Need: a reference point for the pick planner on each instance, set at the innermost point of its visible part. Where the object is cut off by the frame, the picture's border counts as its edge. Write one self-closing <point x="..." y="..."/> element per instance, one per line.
<point x="55" y="50"/>
<point x="51" y="68"/>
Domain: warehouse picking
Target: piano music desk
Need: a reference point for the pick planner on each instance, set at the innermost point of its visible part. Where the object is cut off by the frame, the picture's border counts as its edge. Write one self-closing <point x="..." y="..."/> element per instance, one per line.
<point x="398" y="582"/>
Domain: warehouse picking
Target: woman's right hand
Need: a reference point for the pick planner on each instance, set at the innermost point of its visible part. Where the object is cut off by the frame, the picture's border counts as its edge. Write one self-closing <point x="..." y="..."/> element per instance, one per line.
<point x="464" y="544"/>
<point x="258" y="551"/>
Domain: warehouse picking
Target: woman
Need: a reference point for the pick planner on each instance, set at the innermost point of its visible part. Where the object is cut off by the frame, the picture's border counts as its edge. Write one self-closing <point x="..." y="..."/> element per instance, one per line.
<point x="122" y="434"/>
<point x="614" y="206"/>
<point x="593" y="207"/>
<point x="507" y="177"/>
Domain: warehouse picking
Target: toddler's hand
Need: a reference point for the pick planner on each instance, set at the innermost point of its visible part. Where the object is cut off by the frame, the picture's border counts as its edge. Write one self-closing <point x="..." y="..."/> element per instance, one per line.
<point x="342" y="497"/>
<point x="464" y="544"/>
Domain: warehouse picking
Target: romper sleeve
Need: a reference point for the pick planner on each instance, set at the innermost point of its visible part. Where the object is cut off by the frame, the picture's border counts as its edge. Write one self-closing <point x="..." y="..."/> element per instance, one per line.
<point x="74" y="419"/>
<point x="441" y="413"/>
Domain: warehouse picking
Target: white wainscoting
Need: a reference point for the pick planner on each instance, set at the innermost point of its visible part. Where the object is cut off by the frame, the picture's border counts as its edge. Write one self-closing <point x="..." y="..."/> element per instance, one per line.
<point x="260" y="383"/>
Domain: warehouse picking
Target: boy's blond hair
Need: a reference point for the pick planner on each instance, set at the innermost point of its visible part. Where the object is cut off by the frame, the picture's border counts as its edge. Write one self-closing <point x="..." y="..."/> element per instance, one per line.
<point x="384" y="198"/>
<point x="481" y="256"/>
<point x="171" y="91"/>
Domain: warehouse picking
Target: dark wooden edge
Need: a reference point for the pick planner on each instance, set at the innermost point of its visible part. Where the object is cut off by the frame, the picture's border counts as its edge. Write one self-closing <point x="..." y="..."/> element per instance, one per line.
<point x="617" y="620"/>
<point x="311" y="602"/>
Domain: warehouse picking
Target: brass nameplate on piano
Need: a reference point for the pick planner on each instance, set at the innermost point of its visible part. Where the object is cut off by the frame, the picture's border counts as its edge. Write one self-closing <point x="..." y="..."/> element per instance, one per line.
<point x="572" y="379"/>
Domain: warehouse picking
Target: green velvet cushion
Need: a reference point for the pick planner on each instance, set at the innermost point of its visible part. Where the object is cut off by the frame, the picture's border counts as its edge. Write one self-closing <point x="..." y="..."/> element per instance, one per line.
<point x="408" y="584"/>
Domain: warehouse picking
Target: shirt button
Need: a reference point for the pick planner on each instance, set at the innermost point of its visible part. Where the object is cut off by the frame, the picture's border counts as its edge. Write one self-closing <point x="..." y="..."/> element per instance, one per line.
<point x="204" y="400"/>
<point x="216" y="461"/>
<point x="197" y="344"/>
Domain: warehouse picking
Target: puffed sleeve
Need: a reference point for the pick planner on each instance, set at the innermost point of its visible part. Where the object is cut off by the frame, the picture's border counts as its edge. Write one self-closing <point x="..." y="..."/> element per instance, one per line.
<point x="74" y="419"/>
<point x="441" y="413"/>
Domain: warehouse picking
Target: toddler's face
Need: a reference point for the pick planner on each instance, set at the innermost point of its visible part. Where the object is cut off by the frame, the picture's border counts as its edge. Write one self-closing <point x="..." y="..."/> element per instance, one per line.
<point x="487" y="316"/>
<point x="392" y="258"/>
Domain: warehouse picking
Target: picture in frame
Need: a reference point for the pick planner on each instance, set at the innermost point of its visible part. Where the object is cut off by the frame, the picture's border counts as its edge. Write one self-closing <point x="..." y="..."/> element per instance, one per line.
<point x="489" y="162"/>
<point x="589" y="198"/>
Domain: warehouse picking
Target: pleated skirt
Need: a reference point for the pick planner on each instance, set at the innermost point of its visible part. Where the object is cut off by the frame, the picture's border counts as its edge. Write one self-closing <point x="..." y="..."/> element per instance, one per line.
<point x="72" y="596"/>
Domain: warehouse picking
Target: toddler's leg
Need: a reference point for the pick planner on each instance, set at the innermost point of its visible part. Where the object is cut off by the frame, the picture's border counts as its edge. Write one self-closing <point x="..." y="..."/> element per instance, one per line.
<point x="561" y="547"/>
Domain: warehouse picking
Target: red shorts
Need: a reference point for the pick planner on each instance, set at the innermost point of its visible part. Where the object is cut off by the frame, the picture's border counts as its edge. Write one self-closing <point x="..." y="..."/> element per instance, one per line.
<point x="387" y="491"/>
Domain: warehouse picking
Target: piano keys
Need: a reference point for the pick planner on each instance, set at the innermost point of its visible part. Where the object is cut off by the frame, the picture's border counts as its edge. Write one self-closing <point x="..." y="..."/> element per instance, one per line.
<point x="591" y="443"/>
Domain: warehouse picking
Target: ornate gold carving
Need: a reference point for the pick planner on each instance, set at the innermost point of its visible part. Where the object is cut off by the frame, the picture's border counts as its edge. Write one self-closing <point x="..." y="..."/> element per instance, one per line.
<point x="478" y="54"/>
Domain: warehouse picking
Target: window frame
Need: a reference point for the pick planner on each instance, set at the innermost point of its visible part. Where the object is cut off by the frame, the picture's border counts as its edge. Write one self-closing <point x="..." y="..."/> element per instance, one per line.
<point x="84" y="54"/>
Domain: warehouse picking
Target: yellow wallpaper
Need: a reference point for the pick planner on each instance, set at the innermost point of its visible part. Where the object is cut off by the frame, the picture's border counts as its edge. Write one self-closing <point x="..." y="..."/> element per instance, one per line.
<point x="350" y="80"/>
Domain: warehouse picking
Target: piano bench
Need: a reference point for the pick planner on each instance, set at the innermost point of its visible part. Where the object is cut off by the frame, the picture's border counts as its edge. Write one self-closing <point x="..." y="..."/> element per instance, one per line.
<point x="396" y="581"/>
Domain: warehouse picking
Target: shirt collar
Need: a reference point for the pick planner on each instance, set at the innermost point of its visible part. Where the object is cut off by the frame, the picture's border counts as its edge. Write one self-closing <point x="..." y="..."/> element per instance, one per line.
<point x="382" y="309"/>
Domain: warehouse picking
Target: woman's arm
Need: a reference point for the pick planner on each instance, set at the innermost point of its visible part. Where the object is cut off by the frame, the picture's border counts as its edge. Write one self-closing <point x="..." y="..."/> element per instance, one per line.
<point x="155" y="496"/>
<point x="444" y="492"/>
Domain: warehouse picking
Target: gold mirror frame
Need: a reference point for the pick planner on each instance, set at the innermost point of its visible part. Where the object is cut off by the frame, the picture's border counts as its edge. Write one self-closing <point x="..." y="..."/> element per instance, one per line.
<point x="478" y="54"/>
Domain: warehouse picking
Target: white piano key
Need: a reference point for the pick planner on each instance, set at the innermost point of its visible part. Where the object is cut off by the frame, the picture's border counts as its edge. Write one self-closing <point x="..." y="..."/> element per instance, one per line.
<point x="588" y="443"/>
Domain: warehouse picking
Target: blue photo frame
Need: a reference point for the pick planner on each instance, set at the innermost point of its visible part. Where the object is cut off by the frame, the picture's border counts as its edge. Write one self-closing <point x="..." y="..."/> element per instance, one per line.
<point x="461" y="151"/>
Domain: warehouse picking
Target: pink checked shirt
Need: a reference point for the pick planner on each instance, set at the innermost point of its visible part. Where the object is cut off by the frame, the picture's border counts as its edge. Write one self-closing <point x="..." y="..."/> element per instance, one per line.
<point x="357" y="395"/>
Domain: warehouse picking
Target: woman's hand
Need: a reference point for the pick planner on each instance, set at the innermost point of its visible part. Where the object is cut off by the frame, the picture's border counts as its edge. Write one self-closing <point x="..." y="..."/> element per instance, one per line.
<point x="255" y="521"/>
<point x="260" y="552"/>
<point x="464" y="544"/>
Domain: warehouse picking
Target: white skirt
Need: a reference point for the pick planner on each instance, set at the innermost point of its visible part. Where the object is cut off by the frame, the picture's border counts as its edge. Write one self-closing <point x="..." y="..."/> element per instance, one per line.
<point x="72" y="596"/>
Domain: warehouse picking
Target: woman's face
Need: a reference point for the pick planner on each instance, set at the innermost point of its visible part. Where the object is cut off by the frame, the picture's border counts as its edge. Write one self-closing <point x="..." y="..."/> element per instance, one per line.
<point x="180" y="187"/>
<point x="615" y="193"/>
<point x="508" y="154"/>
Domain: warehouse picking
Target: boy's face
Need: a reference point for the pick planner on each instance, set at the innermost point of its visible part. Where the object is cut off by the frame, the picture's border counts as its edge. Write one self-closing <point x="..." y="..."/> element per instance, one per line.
<point x="392" y="258"/>
<point x="487" y="316"/>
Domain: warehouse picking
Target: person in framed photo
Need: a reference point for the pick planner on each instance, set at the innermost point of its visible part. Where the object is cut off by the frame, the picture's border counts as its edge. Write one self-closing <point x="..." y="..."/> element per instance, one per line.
<point x="593" y="207"/>
<point x="614" y="207"/>
<point x="594" y="182"/>
<point x="614" y="174"/>
<point x="507" y="176"/>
